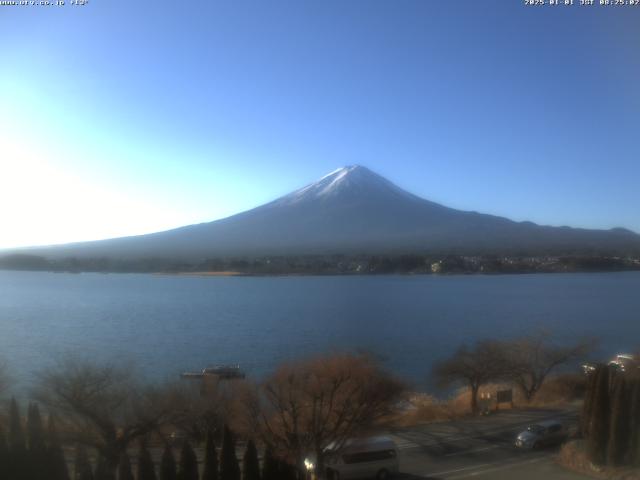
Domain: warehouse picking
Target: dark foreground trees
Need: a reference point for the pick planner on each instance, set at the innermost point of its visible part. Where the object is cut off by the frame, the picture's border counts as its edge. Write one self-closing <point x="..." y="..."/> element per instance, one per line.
<point x="124" y="468"/>
<point x="36" y="444"/>
<point x="619" y="425"/>
<point x="82" y="466"/>
<point x="28" y="451"/>
<point x="103" y="412"/>
<point x="474" y="367"/>
<point x="598" y="421"/>
<point x="146" y="469"/>
<point x="57" y="464"/>
<point x="210" y="469"/>
<point x="229" y="467"/>
<point x="269" y="465"/>
<point x="168" y="467"/>
<point x="525" y="362"/>
<point x="310" y="404"/>
<point x="102" y="406"/>
<point x="188" y="463"/>
<point x="250" y="463"/>
<point x="4" y="377"/>
<point x="532" y="358"/>
<point x="611" y="417"/>
<point x="17" y="463"/>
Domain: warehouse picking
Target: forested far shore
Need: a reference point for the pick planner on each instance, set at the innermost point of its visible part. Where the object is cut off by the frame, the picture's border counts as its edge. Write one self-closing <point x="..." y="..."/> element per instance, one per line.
<point x="331" y="264"/>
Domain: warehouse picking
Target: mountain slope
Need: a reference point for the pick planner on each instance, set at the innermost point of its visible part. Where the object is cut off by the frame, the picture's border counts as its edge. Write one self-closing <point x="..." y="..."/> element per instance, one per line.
<point x="354" y="210"/>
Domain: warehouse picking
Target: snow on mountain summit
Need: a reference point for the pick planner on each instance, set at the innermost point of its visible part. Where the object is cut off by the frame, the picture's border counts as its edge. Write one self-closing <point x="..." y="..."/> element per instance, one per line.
<point x="350" y="180"/>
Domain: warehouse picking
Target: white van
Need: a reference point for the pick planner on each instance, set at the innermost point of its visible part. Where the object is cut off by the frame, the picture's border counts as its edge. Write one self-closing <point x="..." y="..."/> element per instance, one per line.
<point x="372" y="457"/>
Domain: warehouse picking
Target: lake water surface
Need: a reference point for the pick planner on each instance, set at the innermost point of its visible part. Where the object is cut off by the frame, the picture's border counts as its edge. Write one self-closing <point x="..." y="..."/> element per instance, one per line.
<point x="167" y="324"/>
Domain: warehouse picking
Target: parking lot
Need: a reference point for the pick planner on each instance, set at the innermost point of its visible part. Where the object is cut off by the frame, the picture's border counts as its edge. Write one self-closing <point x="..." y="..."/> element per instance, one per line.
<point x="480" y="448"/>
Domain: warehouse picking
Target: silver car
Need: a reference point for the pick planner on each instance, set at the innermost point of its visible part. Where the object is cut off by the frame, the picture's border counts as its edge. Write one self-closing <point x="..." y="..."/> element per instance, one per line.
<point x="543" y="434"/>
<point x="371" y="457"/>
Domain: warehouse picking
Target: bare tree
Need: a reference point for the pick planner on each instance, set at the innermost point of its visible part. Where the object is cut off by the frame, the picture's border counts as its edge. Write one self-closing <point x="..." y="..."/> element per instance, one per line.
<point x="205" y="407"/>
<point x="102" y="405"/>
<point x="326" y="400"/>
<point x="473" y="367"/>
<point x="530" y="359"/>
<point x="4" y="377"/>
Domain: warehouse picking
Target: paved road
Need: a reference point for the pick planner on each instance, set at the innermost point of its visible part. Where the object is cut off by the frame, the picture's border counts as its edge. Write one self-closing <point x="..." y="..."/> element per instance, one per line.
<point x="479" y="448"/>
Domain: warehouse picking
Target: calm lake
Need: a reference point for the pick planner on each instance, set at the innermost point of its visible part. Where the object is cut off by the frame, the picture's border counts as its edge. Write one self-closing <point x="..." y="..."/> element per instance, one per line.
<point x="167" y="324"/>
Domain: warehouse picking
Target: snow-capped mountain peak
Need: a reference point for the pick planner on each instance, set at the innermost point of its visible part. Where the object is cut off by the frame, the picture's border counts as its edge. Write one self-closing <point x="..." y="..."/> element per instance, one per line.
<point x="348" y="180"/>
<point x="354" y="210"/>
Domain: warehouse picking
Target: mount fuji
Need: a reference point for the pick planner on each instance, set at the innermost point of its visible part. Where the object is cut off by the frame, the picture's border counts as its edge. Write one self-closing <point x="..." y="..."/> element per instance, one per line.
<point x="354" y="210"/>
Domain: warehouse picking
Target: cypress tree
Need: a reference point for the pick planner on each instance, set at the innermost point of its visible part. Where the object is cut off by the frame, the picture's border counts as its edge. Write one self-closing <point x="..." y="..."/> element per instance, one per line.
<point x="16" y="435"/>
<point x="56" y="463"/>
<point x="35" y="430"/>
<point x="286" y="471"/>
<point x="82" y="466"/>
<point x="229" y="468"/>
<point x="269" y="465"/>
<point x="598" y="438"/>
<point x="587" y="406"/>
<point x="620" y="431"/>
<point x="17" y="464"/>
<point x="188" y="463"/>
<point x="635" y="422"/>
<point x="124" y="468"/>
<point x="250" y="463"/>
<point x="36" y="465"/>
<point x="146" y="470"/>
<point x="210" y="471"/>
<point x="102" y="471"/>
<point x="168" y="465"/>
<point x="4" y="455"/>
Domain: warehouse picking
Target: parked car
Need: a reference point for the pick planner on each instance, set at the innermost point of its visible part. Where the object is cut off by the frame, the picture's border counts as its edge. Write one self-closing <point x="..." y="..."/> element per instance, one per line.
<point x="371" y="457"/>
<point x="543" y="434"/>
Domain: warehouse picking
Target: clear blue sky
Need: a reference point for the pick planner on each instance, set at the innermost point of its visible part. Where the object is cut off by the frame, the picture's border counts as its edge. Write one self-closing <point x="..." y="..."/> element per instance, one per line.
<point x="123" y="117"/>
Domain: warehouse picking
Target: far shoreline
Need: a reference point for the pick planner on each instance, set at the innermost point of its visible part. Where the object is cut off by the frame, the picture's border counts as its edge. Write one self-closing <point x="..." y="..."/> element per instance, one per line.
<point x="331" y="265"/>
<point x="350" y="274"/>
<point x="228" y="274"/>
